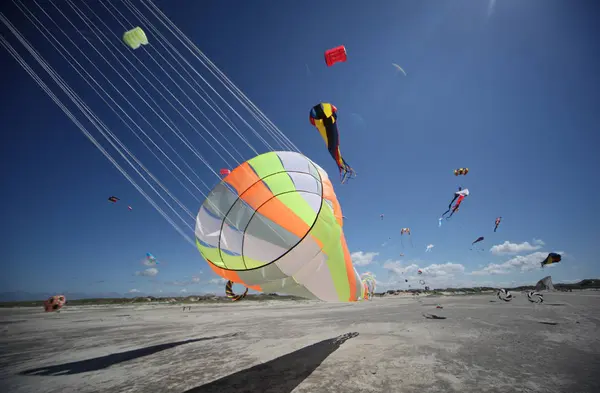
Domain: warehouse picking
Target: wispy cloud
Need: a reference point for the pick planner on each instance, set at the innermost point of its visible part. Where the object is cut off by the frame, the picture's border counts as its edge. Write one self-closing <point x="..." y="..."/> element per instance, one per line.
<point x="491" y="7"/>
<point x="360" y="258"/>
<point x="217" y="281"/>
<point x="183" y="290"/>
<point x="516" y="248"/>
<point x="148" y="272"/>
<point x="134" y="291"/>
<point x="184" y="283"/>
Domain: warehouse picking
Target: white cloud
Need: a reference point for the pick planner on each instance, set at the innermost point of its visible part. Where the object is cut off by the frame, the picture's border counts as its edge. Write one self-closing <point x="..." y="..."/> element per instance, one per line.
<point x="183" y="290"/>
<point x="442" y="270"/>
<point x="148" y="272"/>
<point x="217" y="281"/>
<point x="523" y="263"/>
<point x="134" y="291"/>
<point x="360" y="258"/>
<point x="435" y="275"/>
<point x="514" y="248"/>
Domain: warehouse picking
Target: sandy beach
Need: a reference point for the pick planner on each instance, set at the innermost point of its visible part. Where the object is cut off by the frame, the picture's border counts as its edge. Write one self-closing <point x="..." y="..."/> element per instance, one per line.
<point x="391" y="344"/>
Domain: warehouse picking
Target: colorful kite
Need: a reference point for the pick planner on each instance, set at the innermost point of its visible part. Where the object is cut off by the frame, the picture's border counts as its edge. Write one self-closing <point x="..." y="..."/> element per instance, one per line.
<point x="113" y="199"/>
<point x="335" y="55"/>
<point x="497" y="223"/>
<point x="324" y="117"/>
<point x="54" y="303"/>
<point x="551" y="258"/>
<point x="459" y="196"/>
<point x="229" y="292"/>
<point x="370" y="284"/>
<point x="461" y="171"/>
<point x="275" y="225"/>
<point x="135" y="37"/>
<point x="224" y="172"/>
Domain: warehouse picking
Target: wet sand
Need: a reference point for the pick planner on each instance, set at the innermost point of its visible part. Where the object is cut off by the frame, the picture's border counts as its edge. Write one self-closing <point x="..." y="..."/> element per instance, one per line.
<point x="385" y="345"/>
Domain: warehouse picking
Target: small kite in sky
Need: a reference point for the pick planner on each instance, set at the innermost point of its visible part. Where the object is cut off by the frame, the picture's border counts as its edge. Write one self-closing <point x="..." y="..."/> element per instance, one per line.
<point x="428" y="248"/>
<point x="335" y="55"/>
<point x="497" y="223"/>
<point x="399" y="68"/>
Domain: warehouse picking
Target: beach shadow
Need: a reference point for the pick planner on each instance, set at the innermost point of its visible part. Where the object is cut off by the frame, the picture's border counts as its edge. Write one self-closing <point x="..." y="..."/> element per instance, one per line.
<point x="432" y="316"/>
<point x="548" y="323"/>
<point x="99" y="363"/>
<point x="280" y="375"/>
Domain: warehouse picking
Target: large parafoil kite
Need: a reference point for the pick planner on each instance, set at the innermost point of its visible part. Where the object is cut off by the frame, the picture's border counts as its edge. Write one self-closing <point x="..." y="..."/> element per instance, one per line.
<point x="274" y="225"/>
<point x="135" y="37"/>
<point x="335" y="55"/>
<point x="505" y="295"/>
<point x="551" y="258"/>
<point x="54" y="303"/>
<point x="324" y="117"/>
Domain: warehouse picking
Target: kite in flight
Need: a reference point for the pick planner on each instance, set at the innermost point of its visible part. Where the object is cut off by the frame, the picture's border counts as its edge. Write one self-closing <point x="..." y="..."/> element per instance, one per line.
<point x="335" y="55"/>
<point x="459" y="196"/>
<point x="224" y="172"/>
<point x="113" y="199"/>
<point x="551" y="258"/>
<point x="461" y="171"/>
<point x="135" y="37"/>
<point x="324" y="117"/>
<point x="479" y="239"/>
<point x="497" y="223"/>
<point x="428" y="249"/>
<point x="399" y="68"/>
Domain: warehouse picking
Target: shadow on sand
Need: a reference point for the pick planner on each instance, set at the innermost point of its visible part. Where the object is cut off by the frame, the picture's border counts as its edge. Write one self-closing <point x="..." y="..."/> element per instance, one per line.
<point x="280" y="375"/>
<point x="102" y="362"/>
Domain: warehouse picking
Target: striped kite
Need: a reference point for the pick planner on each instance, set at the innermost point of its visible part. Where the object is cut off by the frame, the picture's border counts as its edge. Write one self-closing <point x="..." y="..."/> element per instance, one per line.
<point x="229" y="292"/>
<point x="324" y="117"/>
<point x="274" y="224"/>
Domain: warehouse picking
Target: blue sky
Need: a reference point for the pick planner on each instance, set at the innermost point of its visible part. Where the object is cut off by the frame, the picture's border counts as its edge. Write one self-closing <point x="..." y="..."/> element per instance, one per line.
<point x="506" y="88"/>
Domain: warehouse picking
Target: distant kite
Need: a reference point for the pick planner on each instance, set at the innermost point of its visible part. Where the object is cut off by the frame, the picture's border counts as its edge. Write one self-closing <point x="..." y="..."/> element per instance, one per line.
<point x="135" y="37"/>
<point x="497" y="223"/>
<point x="459" y="196"/>
<point x="224" y="172"/>
<point x="428" y="249"/>
<point x="551" y="258"/>
<point x="461" y="171"/>
<point x="335" y="55"/>
<point x="399" y="68"/>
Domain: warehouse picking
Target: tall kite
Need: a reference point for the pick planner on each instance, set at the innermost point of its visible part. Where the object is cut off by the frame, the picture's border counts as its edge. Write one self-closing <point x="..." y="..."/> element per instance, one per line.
<point x="498" y="219"/>
<point x="324" y="117"/>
